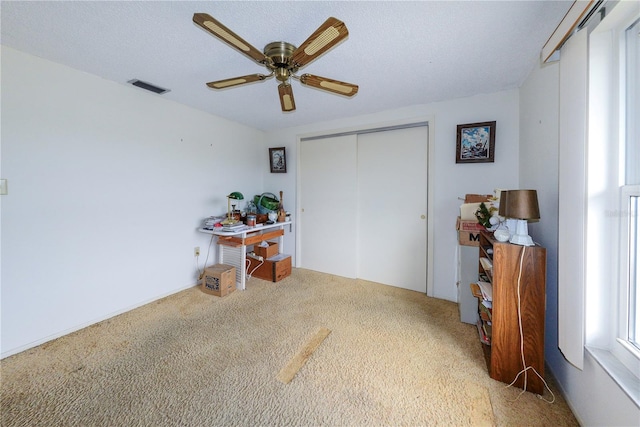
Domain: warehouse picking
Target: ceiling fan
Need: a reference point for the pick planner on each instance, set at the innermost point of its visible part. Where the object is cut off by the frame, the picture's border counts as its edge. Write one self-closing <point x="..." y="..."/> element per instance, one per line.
<point x="283" y="59"/>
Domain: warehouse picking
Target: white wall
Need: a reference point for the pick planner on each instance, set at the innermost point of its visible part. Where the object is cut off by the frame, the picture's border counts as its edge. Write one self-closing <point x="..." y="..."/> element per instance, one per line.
<point x="591" y="393"/>
<point x="451" y="180"/>
<point x="107" y="185"/>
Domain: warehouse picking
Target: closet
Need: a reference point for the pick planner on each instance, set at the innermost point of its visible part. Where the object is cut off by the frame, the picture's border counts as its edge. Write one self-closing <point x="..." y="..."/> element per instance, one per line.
<point x="363" y="205"/>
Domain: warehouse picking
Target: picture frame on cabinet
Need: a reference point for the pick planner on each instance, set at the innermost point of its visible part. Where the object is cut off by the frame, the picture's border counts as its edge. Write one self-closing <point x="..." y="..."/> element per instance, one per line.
<point x="475" y="142"/>
<point x="278" y="160"/>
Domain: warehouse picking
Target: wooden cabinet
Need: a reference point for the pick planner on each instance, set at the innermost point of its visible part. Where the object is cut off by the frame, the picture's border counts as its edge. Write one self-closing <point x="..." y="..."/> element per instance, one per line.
<point x="517" y="275"/>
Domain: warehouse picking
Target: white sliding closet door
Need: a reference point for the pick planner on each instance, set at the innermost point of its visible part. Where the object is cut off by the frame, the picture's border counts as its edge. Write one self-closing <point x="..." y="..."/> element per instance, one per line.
<point x="392" y="207"/>
<point x="363" y="206"/>
<point x="328" y="205"/>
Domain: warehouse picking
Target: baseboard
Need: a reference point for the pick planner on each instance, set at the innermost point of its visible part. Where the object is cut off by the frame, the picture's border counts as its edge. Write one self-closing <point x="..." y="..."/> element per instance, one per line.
<point x="561" y="390"/>
<point x="92" y="322"/>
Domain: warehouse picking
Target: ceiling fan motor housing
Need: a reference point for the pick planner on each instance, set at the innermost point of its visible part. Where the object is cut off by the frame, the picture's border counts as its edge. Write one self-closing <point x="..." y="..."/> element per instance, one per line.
<point x="279" y="54"/>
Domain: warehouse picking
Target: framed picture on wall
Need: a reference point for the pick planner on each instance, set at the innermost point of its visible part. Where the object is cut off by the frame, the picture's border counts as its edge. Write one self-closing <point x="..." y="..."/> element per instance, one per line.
<point x="278" y="160"/>
<point x="475" y="142"/>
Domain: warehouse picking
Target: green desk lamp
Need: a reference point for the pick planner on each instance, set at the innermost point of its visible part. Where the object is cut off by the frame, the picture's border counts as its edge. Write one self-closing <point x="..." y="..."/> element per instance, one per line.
<point x="236" y="195"/>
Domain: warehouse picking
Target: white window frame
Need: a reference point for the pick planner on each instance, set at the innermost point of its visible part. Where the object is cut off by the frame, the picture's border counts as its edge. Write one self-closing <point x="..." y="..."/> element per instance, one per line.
<point x="624" y="350"/>
<point x="607" y="287"/>
<point x="621" y="348"/>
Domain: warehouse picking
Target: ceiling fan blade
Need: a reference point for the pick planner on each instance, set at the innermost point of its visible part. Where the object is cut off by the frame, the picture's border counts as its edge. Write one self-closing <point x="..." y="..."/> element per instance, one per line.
<point x="237" y="81"/>
<point x="335" y="86"/>
<point x="324" y="38"/>
<point x="286" y="97"/>
<point x="223" y="33"/>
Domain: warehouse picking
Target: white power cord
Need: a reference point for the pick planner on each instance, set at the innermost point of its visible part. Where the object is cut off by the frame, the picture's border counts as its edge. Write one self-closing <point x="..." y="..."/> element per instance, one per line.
<point x="525" y="368"/>
<point x="201" y="272"/>
<point x="258" y="258"/>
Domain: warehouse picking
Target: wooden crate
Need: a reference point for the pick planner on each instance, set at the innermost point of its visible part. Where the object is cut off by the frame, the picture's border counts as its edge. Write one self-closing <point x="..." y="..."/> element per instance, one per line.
<point x="266" y="252"/>
<point x="273" y="269"/>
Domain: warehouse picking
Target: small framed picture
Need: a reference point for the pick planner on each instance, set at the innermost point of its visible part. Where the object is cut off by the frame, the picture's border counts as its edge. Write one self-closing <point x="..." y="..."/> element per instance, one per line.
<point x="475" y="142"/>
<point x="278" y="160"/>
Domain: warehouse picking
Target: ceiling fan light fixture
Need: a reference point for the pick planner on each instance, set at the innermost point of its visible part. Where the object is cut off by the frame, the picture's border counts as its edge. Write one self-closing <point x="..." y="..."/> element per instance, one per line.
<point x="282" y="74"/>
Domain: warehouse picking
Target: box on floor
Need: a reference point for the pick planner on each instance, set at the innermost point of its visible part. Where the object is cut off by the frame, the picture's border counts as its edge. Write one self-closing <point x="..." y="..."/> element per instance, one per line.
<point x="273" y="269"/>
<point x="219" y="280"/>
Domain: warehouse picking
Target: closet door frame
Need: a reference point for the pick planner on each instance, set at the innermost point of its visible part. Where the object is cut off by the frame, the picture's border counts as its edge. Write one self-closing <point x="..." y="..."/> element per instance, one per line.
<point x="373" y="127"/>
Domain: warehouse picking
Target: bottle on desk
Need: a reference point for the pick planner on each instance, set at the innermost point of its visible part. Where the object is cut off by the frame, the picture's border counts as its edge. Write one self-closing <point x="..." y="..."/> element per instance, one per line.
<point x="282" y="214"/>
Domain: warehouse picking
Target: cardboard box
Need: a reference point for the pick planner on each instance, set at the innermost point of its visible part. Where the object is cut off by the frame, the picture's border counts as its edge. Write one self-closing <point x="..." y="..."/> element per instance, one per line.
<point x="477" y="198"/>
<point x="273" y="269"/>
<point x="471" y="225"/>
<point x="467" y="238"/>
<point x="469" y="232"/>
<point x="471" y="204"/>
<point x="266" y="252"/>
<point x="468" y="211"/>
<point x="219" y="280"/>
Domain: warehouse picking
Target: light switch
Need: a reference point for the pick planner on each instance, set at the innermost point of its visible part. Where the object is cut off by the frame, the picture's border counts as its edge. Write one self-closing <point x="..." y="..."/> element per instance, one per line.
<point x="3" y="187"/>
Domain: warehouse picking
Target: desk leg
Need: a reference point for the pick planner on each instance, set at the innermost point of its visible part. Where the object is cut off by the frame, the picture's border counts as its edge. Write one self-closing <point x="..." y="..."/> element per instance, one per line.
<point x="281" y="242"/>
<point x="243" y="267"/>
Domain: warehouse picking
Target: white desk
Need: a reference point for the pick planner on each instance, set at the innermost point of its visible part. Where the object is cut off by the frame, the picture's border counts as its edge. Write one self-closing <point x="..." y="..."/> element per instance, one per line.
<point x="233" y="245"/>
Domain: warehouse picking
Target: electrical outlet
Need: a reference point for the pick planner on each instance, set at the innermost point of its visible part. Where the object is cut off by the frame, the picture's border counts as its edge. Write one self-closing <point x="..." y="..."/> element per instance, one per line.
<point x="196" y="251"/>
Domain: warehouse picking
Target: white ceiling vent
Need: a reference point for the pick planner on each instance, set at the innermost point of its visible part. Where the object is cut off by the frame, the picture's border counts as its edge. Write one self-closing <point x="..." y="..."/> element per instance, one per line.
<point x="148" y="86"/>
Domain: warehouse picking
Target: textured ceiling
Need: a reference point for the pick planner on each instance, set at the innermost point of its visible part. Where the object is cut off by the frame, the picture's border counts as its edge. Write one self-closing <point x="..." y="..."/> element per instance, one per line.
<point x="400" y="53"/>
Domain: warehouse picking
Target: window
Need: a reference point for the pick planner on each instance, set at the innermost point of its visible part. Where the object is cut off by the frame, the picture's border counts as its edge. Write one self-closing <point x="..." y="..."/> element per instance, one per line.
<point x="632" y="104"/>
<point x="631" y="262"/>
<point x="612" y="264"/>
<point x="628" y="334"/>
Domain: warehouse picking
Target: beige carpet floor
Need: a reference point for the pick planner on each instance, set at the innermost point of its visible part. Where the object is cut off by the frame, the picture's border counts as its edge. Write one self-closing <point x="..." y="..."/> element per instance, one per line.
<point x="392" y="358"/>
